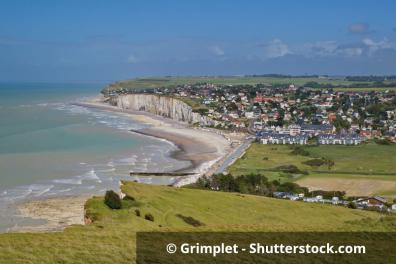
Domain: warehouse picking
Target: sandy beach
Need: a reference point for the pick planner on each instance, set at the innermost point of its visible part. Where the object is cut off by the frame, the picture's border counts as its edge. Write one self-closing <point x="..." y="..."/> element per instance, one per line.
<point x="58" y="213"/>
<point x="206" y="149"/>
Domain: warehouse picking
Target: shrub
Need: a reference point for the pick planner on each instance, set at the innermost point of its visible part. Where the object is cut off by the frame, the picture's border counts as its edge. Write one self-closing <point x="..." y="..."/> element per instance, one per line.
<point x="149" y="217"/>
<point x="137" y="212"/>
<point x="384" y="141"/>
<point x="112" y="200"/>
<point x="190" y="220"/>
<point x="128" y="198"/>
<point x="352" y="205"/>
<point x="289" y="169"/>
<point x="300" y="151"/>
<point x="315" y="162"/>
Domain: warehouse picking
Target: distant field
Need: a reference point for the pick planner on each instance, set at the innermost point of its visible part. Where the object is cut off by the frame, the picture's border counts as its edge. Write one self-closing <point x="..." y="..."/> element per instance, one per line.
<point x="358" y="186"/>
<point x="359" y="89"/>
<point x="370" y="162"/>
<point x="111" y="239"/>
<point x="155" y="82"/>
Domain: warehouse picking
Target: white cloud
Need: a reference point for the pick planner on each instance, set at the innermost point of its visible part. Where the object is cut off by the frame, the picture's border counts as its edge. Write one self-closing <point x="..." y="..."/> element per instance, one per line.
<point x="373" y="46"/>
<point x="276" y="48"/>
<point x="216" y="50"/>
<point x="351" y="51"/>
<point x="319" y="48"/>
<point x="132" y="59"/>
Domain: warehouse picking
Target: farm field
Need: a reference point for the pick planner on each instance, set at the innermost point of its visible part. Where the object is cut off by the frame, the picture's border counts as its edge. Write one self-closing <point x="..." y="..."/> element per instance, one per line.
<point x="368" y="89"/>
<point x="112" y="236"/>
<point x="367" y="169"/>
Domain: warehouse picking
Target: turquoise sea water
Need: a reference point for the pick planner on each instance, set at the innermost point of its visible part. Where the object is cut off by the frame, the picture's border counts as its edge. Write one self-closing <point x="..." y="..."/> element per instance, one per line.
<point x="50" y="147"/>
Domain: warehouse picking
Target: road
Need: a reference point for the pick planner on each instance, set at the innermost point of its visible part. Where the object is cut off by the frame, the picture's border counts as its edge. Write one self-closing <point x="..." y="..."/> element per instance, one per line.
<point x="234" y="155"/>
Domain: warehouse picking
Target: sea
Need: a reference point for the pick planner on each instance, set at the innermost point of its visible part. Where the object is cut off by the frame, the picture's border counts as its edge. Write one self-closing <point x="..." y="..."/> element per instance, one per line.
<point x="50" y="147"/>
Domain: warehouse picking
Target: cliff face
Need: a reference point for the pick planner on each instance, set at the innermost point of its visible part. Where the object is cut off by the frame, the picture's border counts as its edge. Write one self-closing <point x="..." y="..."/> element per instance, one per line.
<point x="160" y="105"/>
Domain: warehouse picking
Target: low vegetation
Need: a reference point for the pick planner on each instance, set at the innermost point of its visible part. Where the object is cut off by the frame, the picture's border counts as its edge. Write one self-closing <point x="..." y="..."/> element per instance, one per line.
<point x="111" y="238"/>
<point x="258" y="185"/>
<point x="190" y="220"/>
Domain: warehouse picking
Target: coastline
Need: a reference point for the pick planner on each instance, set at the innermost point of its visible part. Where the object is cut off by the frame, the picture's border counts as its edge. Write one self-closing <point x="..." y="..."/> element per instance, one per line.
<point x="206" y="150"/>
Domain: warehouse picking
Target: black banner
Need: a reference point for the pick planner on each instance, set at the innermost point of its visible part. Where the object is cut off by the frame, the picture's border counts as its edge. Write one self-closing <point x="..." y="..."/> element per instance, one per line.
<point x="272" y="247"/>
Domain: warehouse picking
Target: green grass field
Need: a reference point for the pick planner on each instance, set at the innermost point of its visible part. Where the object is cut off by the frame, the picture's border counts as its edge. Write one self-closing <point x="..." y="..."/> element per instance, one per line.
<point x="373" y="165"/>
<point x="111" y="238"/>
<point x="363" y="159"/>
<point x="155" y="82"/>
<point x="359" y="89"/>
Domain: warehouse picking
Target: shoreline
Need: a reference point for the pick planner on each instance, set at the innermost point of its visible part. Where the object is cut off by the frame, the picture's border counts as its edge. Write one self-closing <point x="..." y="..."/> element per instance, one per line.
<point x="205" y="148"/>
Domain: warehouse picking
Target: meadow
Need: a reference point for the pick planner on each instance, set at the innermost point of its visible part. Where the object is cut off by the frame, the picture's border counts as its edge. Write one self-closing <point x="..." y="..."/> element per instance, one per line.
<point x="370" y="165"/>
<point x="111" y="238"/>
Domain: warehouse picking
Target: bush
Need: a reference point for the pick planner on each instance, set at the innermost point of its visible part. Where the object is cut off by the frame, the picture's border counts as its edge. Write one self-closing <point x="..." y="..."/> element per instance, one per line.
<point x="128" y="198"/>
<point x="319" y="162"/>
<point x="289" y="169"/>
<point x="137" y="212"/>
<point x="190" y="220"/>
<point x="352" y="205"/>
<point x="315" y="162"/>
<point x="112" y="200"/>
<point x="149" y="217"/>
<point x="383" y="141"/>
<point x="300" y="151"/>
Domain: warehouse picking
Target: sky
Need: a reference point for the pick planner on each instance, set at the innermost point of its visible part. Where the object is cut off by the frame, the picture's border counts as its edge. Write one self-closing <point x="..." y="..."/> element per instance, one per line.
<point x="55" y="41"/>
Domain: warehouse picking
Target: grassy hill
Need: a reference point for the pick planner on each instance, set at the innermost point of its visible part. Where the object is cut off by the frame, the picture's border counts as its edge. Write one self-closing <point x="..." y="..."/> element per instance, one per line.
<point x="371" y="164"/>
<point x="111" y="238"/>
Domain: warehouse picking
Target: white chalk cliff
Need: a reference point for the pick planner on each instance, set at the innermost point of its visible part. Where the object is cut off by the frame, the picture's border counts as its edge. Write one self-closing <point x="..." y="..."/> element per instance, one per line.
<point x="160" y="105"/>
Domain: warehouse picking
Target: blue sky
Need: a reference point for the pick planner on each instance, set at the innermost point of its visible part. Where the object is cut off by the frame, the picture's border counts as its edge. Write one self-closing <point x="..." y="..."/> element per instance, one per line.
<point x="109" y="40"/>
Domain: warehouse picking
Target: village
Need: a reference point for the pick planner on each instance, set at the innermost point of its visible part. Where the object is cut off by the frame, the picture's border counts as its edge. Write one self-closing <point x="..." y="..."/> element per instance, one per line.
<point x="290" y="114"/>
<point x="375" y="203"/>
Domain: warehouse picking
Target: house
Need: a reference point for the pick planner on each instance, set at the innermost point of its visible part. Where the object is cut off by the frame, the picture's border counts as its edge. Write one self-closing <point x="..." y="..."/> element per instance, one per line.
<point x="339" y="139"/>
<point x="335" y="200"/>
<point x="278" y="138"/>
<point x="282" y="194"/>
<point x="393" y="208"/>
<point x="317" y="129"/>
<point x="294" y="130"/>
<point x="371" y="202"/>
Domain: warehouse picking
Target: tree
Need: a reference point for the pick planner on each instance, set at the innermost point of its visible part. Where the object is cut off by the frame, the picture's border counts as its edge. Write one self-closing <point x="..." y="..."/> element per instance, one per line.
<point x="112" y="200"/>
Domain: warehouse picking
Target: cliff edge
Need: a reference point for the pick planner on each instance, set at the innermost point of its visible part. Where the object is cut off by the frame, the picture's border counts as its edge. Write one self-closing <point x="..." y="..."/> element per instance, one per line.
<point x="160" y="105"/>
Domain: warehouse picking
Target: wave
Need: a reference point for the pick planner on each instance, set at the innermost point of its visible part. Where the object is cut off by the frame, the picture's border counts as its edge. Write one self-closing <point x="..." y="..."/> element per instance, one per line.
<point x="110" y="119"/>
<point x="68" y="181"/>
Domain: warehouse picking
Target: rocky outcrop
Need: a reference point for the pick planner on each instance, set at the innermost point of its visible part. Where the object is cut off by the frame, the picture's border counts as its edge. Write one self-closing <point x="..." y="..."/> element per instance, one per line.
<point x="160" y="105"/>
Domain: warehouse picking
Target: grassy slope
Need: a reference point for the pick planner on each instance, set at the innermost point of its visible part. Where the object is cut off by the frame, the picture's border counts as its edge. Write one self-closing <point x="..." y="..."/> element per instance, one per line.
<point x="111" y="239"/>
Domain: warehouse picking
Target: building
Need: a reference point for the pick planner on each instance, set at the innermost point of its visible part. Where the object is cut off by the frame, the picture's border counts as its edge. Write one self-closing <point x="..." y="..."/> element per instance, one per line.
<point x="339" y="139"/>
<point x="277" y="138"/>
<point x="315" y="130"/>
<point x="294" y="130"/>
<point x="371" y="202"/>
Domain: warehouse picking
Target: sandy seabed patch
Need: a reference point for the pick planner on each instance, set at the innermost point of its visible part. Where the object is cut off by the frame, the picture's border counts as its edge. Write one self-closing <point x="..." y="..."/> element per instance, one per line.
<point x="352" y="187"/>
